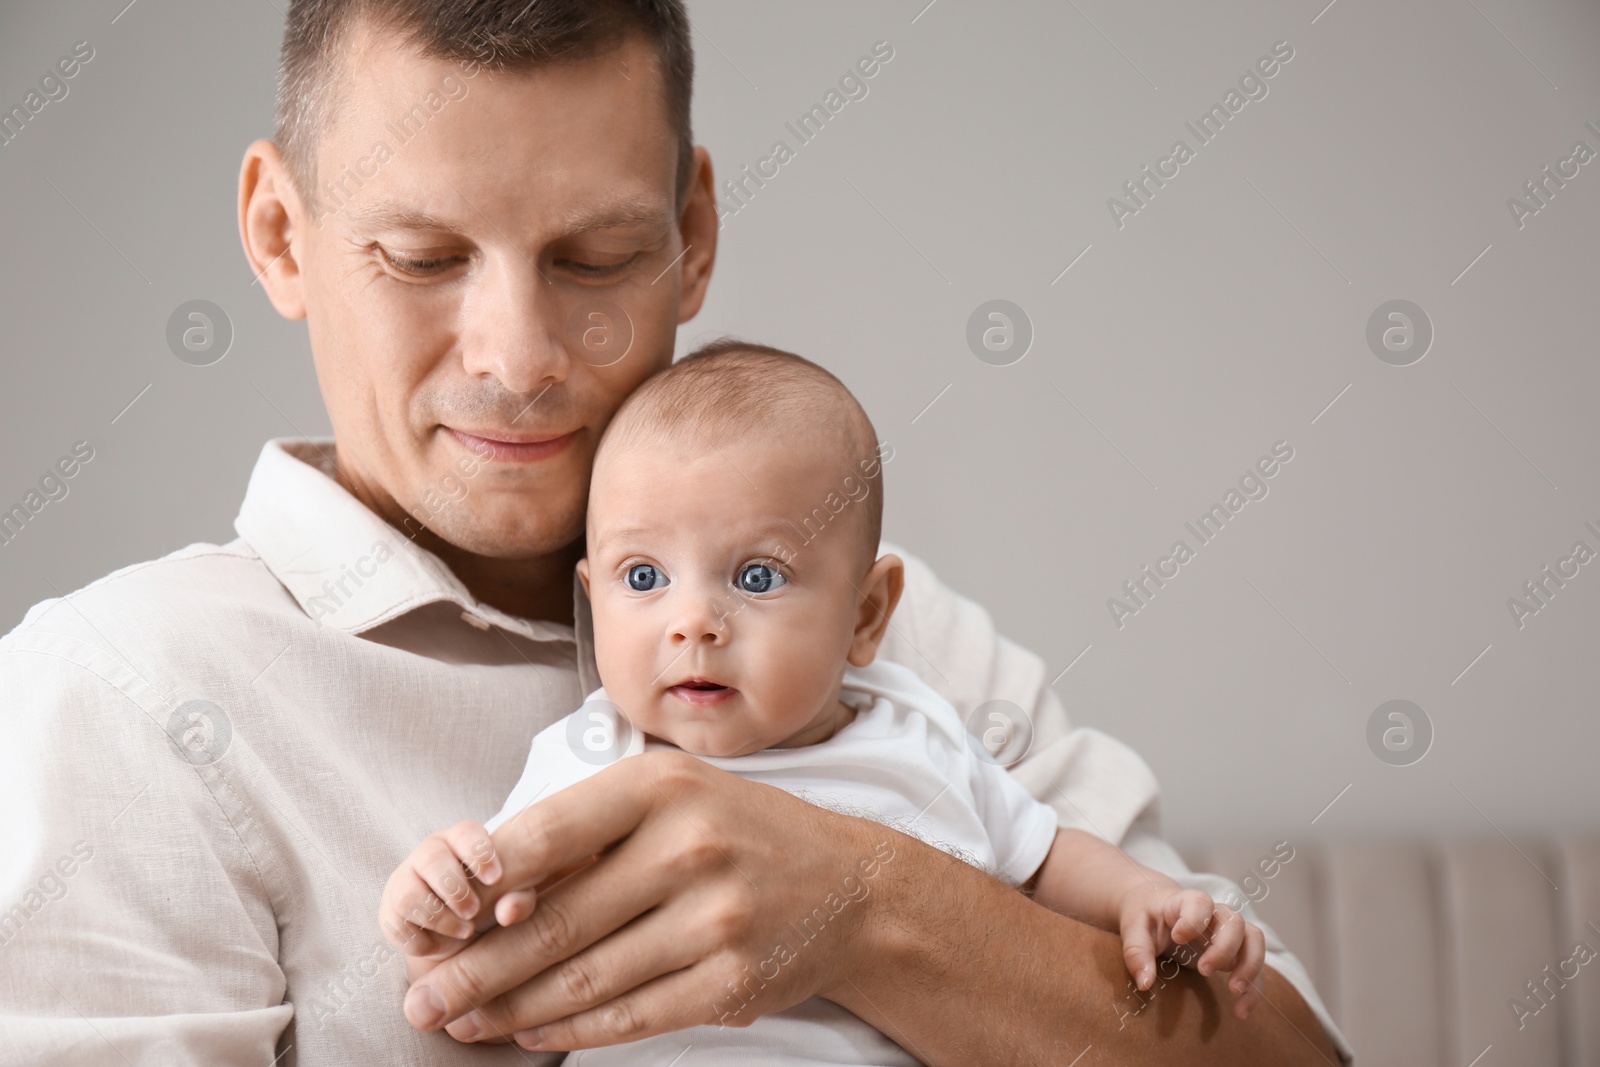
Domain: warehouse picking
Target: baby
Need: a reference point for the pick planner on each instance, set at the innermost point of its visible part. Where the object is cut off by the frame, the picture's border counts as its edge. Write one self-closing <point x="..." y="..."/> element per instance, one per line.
<point x="738" y="602"/>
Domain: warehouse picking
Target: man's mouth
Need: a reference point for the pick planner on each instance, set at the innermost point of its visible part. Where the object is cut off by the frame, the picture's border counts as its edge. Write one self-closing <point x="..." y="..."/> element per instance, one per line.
<point x="702" y="692"/>
<point x="503" y="446"/>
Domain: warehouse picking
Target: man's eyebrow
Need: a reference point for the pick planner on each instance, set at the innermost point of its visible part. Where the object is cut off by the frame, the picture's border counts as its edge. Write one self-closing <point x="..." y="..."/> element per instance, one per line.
<point x="620" y="211"/>
<point x="386" y="214"/>
<point x="626" y="210"/>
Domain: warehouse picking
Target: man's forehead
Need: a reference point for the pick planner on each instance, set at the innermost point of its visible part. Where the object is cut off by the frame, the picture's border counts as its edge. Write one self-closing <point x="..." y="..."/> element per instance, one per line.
<point x="510" y="142"/>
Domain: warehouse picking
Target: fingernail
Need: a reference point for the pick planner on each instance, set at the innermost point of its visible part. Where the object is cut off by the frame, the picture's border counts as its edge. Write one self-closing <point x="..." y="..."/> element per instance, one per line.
<point x="530" y="1039"/>
<point x="424" y="1007"/>
<point x="465" y="1028"/>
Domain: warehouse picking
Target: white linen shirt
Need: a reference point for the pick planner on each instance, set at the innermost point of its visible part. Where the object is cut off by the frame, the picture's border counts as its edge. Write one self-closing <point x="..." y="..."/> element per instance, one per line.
<point x="212" y="762"/>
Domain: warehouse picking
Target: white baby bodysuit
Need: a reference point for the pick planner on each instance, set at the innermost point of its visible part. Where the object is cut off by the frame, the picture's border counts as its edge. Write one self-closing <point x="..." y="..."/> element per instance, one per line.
<point x="906" y="761"/>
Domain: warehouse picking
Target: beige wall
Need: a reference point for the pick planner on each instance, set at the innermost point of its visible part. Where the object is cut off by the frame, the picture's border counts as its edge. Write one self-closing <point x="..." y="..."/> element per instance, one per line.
<point x="1218" y="320"/>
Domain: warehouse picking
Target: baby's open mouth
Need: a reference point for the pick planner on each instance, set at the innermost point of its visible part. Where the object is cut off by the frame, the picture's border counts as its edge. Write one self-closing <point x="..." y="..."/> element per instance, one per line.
<point x="702" y="692"/>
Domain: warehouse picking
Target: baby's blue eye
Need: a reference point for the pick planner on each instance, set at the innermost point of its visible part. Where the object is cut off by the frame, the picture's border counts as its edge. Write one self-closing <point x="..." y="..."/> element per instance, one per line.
<point x="759" y="578"/>
<point x="642" y="577"/>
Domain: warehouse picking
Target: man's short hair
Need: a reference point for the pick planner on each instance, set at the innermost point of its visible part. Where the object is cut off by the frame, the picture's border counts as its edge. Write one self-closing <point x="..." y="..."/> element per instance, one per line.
<point x="500" y="35"/>
<point x="729" y="389"/>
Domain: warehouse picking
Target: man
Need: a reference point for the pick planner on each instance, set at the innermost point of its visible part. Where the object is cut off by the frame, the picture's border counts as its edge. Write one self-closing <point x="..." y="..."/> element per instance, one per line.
<point x="492" y="218"/>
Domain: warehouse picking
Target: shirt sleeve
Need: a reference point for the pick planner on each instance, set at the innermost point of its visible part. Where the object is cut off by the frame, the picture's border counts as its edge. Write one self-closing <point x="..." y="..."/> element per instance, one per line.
<point x="134" y="925"/>
<point x="1092" y="781"/>
<point x="1020" y="828"/>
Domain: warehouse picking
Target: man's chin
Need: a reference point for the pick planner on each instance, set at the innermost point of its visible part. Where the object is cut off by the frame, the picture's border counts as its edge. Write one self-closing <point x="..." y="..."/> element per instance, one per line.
<point x="512" y="541"/>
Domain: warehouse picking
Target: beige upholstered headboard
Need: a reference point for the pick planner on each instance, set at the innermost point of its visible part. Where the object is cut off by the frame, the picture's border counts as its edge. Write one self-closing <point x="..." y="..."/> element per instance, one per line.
<point x="1423" y="951"/>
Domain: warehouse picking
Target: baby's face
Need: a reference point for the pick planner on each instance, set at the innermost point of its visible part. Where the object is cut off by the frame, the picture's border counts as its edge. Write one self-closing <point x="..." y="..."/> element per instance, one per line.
<point x="718" y="628"/>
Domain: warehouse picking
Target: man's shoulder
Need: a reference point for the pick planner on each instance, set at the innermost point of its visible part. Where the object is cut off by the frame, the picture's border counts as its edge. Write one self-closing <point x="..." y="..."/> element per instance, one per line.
<point x="951" y="642"/>
<point x="152" y="611"/>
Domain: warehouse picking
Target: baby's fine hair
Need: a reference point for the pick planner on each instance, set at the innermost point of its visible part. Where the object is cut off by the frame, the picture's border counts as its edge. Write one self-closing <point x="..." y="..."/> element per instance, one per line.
<point x="730" y="390"/>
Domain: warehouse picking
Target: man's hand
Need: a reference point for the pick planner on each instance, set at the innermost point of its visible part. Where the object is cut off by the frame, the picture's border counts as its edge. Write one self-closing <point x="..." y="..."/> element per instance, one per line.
<point x="713" y="899"/>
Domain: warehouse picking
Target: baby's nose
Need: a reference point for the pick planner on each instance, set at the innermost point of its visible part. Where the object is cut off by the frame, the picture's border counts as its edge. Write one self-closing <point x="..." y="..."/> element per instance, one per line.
<point x="705" y="623"/>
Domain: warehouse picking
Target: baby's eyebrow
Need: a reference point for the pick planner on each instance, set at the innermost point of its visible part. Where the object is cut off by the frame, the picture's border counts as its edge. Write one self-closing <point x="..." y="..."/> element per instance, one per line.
<point x="625" y="533"/>
<point x="769" y="539"/>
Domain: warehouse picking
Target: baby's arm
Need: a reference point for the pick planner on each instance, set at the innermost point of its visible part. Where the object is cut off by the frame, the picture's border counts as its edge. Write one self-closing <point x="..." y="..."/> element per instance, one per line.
<point x="1094" y="882"/>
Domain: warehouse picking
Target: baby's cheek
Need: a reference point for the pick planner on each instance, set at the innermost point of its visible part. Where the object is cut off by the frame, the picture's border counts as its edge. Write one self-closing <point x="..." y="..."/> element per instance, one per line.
<point x="640" y="710"/>
<point x="799" y="684"/>
<point x="624" y="654"/>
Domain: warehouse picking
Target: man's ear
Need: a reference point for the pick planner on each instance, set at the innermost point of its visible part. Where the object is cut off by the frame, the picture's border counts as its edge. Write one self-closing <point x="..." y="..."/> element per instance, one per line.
<point x="269" y="208"/>
<point x="583" y="574"/>
<point x="698" y="230"/>
<point x="880" y="593"/>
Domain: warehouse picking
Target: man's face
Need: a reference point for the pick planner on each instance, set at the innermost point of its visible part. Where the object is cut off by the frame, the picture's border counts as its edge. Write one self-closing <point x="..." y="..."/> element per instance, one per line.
<point x="487" y="270"/>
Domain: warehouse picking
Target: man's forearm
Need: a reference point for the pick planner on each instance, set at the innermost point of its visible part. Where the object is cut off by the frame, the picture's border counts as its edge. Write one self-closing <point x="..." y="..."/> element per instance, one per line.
<point x="962" y="969"/>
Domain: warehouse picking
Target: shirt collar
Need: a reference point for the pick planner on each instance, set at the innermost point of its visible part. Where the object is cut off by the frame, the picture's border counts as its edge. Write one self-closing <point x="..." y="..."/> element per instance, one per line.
<point x="344" y="565"/>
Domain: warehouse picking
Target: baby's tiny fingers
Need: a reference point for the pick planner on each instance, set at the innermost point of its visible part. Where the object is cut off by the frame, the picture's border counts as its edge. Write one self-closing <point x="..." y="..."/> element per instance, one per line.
<point x="1247" y="1000"/>
<point x="1252" y="955"/>
<point x="474" y="848"/>
<point x="1227" y="935"/>
<point x="438" y="866"/>
<point x="515" y="906"/>
<point x="418" y="942"/>
<point x="418" y="910"/>
<point x="1246" y="979"/>
<point x="1189" y="913"/>
<point x="1139" y="954"/>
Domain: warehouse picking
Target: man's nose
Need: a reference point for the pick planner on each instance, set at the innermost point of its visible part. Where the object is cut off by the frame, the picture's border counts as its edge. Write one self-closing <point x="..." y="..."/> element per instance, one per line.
<point x="514" y="330"/>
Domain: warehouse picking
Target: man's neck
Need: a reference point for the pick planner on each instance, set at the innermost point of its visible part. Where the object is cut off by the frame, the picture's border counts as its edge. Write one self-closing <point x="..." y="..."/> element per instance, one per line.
<point x="527" y="588"/>
<point x="538" y="589"/>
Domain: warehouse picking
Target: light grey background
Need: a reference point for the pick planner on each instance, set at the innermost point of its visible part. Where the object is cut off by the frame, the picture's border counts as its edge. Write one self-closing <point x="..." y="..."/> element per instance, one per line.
<point x="1224" y="317"/>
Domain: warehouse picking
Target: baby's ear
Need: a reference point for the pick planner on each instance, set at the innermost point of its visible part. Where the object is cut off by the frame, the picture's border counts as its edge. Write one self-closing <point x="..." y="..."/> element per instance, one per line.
<point x="583" y="574"/>
<point x="880" y="592"/>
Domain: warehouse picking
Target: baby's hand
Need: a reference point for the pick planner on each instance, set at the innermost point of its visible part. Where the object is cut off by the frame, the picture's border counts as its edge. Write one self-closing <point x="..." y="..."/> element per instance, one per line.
<point x="1216" y="938"/>
<point x="430" y="896"/>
